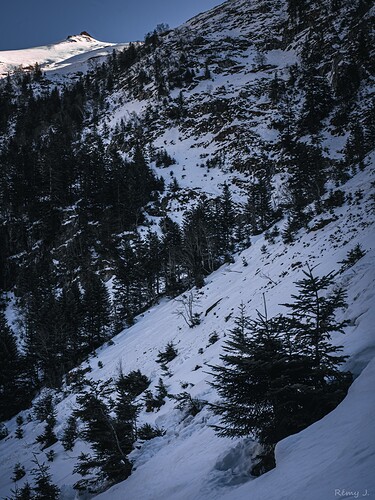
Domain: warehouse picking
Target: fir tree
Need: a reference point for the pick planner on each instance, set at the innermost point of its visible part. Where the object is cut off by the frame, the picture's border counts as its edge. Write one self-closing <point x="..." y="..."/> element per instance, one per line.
<point x="312" y="315"/>
<point x="171" y="251"/>
<point x="97" y="312"/>
<point x="124" y="302"/>
<point x="43" y="488"/>
<point x="132" y="384"/>
<point x="70" y="433"/>
<point x="308" y="174"/>
<point x="48" y="438"/>
<point x="281" y="374"/>
<point x="9" y="370"/>
<point x="18" y="472"/>
<point x="24" y="493"/>
<point x="110" y="437"/>
<point x="258" y="212"/>
<point x="70" y="304"/>
<point x="169" y="353"/>
<point x="225" y="220"/>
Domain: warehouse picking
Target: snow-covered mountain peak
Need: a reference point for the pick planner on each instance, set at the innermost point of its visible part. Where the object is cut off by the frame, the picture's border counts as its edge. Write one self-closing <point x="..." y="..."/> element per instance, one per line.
<point x="84" y="35"/>
<point x="67" y="55"/>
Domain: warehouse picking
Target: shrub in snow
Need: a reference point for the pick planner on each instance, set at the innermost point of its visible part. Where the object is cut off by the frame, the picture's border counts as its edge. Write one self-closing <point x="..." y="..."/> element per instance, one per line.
<point x="18" y="472"/>
<point x="3" y="431"/>
<point x="214" y="337"/>
<point x="147" y="432"/>
<point x="134" y="383"/>
<point x="187" y="404"/>
<point x="352" y="257"/>
<point x="19" y="430"/>
<point x="156" y="402"/>
<point x="169" y="353"/>
<point x="48" y="438"/>
<point x="186" y="310"/>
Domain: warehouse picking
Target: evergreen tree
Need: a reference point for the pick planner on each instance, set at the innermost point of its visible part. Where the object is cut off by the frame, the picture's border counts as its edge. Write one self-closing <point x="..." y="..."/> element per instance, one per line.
<point x="132" y="384"/>
<point x="152" y="265"/>
<point x="200" y="244"/>
<point x="92" y="164"/>
<point x="97" y="312"/>
<point x="225" y="220"/>
<point x="45" y="340"/>
<point x="70" y="433"/>
<point x="70" y="305"/>
<point x="126" y="413"/>
<point x="24" y="493"/>
<point x="43" y="488"/>
<point x="118" y="214"/>
<point x="254" y="368"/>
<point x="48" y="438"/>
<point x="355" y="148"/>
<point x="313" y="319"/>
<point x="318" y="100"/>
<point x="308" y="173"/>
<point x="171" y="252"/>
<point x="125" y="306"/>
<point x="18" y="472"/>
<point x="281" y="374"/>
<point x="9" y="371"/>
<point x="141" y="183"/>
<point x="110" y="437"/>
<point x="258" y="212"/>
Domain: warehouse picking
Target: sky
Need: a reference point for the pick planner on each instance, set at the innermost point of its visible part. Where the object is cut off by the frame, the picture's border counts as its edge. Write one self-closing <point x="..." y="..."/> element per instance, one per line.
<point x="30" y="23"/>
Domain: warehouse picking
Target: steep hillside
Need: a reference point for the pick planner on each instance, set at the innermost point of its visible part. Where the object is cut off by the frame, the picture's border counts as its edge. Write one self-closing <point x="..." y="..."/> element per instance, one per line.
<point x="144" y="198"/>
<point x="218" y="89"/>
<point x="190" y="460"/>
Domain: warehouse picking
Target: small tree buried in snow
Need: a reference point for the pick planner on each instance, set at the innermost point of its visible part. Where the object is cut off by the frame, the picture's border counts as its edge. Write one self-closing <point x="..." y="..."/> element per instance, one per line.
<point x="134" y="383"/>
<point x="186" y="310"/>
<point x="188" y="404"/>
<point x="168" y="354"/>
<point x="146" y="432"/>
<point x="18" y="472"/>
<point x="352" y="257"/>
<point x="156" y="402"/>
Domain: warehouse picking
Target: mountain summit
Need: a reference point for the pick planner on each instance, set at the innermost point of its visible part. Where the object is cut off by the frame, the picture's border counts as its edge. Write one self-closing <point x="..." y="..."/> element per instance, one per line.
<point x="54" y="57"/>
<point x="83" y="33"/>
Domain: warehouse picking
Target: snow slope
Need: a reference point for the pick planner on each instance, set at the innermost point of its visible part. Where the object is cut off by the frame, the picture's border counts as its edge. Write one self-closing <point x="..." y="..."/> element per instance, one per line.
<point x="190" y="461"/>
<point x="335" y="453"/>
<point x="64" y="57"/>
